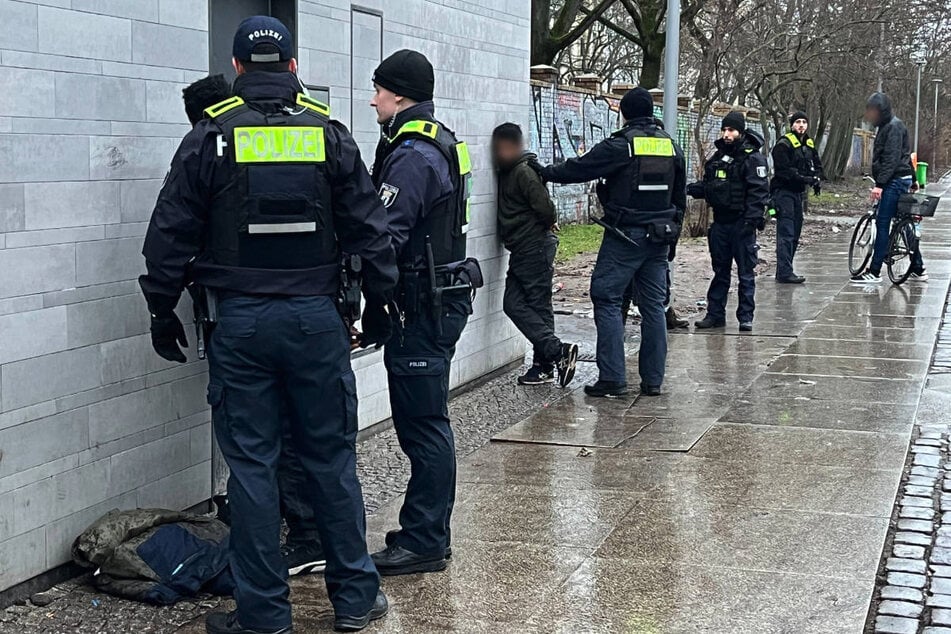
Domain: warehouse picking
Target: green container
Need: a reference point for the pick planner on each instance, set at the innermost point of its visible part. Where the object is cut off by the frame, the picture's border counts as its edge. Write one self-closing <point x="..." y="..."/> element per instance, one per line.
<point x="922" y="174"/>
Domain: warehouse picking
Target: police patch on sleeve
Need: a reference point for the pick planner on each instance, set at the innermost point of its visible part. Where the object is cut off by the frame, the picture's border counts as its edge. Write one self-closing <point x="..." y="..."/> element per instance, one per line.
<point x="761" y="171"/>
<point x="388" y="194"/>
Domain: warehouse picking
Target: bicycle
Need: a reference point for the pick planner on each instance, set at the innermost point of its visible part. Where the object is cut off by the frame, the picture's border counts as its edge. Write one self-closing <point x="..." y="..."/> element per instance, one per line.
<point x="903" y="242"/>
<point x="863" y="239"/>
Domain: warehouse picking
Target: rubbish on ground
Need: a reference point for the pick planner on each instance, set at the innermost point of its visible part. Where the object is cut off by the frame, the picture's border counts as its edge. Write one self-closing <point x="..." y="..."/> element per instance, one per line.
<point x="805" y="382"/>
<point x="585" y="452"/>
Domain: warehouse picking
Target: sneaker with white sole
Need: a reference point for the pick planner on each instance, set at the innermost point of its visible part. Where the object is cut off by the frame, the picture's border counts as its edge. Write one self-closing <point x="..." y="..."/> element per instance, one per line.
<point x="303" y="559"/>
<point x="537" y="375"/>
<point x="919" y="277"/>
<point x="567" y="364"/>
<point x="867" y="278"/>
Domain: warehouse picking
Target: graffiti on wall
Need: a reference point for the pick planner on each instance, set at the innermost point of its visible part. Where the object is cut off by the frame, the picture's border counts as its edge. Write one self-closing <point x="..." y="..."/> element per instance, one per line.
<point x="566" y="124"/>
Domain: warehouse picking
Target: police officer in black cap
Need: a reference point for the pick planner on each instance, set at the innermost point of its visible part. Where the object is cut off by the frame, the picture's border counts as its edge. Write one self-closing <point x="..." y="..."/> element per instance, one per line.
<point x="422" y="172"/>
<point x="260" y="198"/>
<point x="642" y="191"/>
<point x="796" y="166"/>
<point x="302" y="549"/>
<point x="736" y="185"/>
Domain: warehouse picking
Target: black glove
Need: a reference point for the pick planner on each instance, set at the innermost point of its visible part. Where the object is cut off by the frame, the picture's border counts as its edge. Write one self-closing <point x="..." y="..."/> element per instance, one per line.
<point x="696" y="190"/>
<point x="377" y="323"/>
<point x="748" y="228"/>
<point x="816" y="186"/>
<point x="167" y="334"/>
<point x="537" y="167"/>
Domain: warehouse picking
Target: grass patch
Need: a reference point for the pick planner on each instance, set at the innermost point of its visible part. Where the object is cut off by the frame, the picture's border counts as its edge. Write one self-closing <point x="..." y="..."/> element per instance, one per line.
<point x="576" y="239"/>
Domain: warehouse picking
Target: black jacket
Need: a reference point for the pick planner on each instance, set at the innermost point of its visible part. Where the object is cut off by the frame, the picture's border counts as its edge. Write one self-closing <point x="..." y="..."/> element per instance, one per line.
<point x="179" y="224"/>
<point x="753" y="173"/>
<point x="891" y="156"/>
<point x="794" y="169"/>
<point x="610" y="157"/>
<point x="526" y="211"/>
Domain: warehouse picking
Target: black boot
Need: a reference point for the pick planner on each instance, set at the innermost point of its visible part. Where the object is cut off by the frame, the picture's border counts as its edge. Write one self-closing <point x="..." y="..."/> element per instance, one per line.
<point x="674" y="322"/>
<point x="391" y="539"/>
<point x="395" y="560"/>
<point x="710" y="322"/>
<point x="227" y="623"/>
<point x="606" y="389"/>
<point x="347" y="623"/>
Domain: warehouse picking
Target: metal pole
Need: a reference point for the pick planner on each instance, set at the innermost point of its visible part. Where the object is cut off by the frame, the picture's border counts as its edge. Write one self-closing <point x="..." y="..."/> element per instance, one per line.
<point x="917" y="106"/>
<point x="934" y="133"/>
<point x="671" y="66"/>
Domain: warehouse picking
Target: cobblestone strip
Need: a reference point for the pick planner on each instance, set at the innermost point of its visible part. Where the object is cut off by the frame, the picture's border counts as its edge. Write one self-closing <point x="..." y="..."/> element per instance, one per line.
<point x="916" y="595"/>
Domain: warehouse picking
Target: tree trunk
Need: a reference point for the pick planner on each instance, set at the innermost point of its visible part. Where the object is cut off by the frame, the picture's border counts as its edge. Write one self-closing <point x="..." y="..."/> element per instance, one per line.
<point x="653" y="60"/>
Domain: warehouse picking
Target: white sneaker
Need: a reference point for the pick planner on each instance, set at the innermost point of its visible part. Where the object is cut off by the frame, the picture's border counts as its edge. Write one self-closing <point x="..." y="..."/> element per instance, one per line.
<point x="867" y="278"/>
<point x="919" y="277"/>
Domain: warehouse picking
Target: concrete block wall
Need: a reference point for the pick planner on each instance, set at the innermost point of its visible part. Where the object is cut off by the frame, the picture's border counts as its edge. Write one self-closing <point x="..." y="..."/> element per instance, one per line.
<point x="90" y="114"/>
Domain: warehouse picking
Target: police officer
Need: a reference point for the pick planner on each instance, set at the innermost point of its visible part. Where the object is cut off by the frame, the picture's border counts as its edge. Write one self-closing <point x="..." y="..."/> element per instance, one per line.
<point x="736" y="185"/>
<point x="259" y="200"/>
<point x="422" y="173"/>
<point x="302" y="550"/>
<point x="642" y="193"/>
<point x="796" y="166"/>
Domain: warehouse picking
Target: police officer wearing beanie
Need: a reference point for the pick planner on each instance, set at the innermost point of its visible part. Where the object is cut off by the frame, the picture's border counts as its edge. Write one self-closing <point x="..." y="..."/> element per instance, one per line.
<point x="642" y="175"/>
<point x="261" y="197"/>
<point x="422" y="173"/>
<point x="736" y="185"/>
<point x="796" y="166"/>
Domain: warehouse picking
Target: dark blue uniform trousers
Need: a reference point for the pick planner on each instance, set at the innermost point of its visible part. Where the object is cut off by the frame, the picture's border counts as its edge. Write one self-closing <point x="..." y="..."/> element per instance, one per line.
<point x="620" y="263"/>
<point x="417" y="366"/>
<point x="732" y="242"/>
<point x="267" y="353"/>
<point x="789" y="218"/>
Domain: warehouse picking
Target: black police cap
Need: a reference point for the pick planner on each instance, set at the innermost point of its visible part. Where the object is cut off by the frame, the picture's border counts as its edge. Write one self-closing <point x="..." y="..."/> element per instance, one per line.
<point x="263" y="39"/>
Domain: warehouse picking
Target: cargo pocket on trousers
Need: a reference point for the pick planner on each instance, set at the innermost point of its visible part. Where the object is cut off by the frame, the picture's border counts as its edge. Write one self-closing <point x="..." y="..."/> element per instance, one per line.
<point x="351" y="420"/>
<point x="753" y="256"/>
<point x="416" y="385"/>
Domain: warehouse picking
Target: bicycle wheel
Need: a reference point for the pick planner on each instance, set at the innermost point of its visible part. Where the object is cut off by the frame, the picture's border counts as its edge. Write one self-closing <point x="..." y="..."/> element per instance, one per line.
<point x="900" y="251"/>
<point x="862" y="245"/>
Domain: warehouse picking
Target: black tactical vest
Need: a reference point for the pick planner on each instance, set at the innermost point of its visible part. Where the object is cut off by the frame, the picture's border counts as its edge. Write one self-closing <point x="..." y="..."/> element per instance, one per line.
<point x="447" y="222"/>
<point x="802" y="153"/>
<point x="274" y="211"/>
<point x="724" y="185"/>
<point x="643" y="190"/>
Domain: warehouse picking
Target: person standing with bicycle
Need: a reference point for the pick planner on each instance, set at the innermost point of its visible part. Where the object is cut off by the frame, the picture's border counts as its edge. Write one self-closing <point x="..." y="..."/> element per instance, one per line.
<point x="797" y="166"/>
<point x="892" y="172"/>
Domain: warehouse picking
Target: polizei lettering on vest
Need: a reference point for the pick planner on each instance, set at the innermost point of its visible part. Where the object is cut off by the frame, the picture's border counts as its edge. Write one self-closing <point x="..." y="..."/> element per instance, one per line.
<point x="284" y="144"/>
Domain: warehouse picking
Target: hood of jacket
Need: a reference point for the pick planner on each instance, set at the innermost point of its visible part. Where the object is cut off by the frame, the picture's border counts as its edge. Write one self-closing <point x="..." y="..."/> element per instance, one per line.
<point x="883" y="104"/>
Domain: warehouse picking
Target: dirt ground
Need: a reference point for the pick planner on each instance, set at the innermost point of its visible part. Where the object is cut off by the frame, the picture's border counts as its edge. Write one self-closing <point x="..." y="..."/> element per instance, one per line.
<point x="828" y="215"/>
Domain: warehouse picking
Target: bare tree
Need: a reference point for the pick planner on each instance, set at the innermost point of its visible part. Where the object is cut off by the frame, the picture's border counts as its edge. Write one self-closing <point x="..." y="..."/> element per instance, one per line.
<point x="554" y="30"/>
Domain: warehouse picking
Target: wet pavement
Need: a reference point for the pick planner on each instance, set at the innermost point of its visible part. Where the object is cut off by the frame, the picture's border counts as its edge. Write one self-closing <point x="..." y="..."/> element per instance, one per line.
<point x="756" y="495"/>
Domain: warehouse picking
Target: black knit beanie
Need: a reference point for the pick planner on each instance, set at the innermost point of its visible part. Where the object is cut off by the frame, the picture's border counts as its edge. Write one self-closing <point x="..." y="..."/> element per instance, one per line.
<point x="408" y="74"/>
<point x="796" y="116"/>
<point x="637" y="104"/>
<point x="734" y="120"/>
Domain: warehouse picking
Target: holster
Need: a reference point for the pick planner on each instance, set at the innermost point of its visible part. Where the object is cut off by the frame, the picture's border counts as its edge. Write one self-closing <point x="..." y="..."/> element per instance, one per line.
<point x="205" y="303"/>
<point x="348" y="295"/>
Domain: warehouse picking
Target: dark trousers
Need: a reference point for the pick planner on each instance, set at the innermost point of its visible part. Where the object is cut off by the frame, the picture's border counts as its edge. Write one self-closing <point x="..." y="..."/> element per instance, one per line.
<point x="789" y="218"/>
<point x="527" y="300"/>
<point x="887" y="210"/>
<point x="295" y="495"/>
<point x="267" y="353"/>
<point x="619" y="263"/>
<point x="729" y="243"/>
<point x="417" y="364"/>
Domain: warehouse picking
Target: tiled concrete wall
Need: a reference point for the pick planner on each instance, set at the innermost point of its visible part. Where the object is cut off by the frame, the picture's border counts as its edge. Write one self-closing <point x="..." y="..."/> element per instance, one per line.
<point x="90" y="114"/>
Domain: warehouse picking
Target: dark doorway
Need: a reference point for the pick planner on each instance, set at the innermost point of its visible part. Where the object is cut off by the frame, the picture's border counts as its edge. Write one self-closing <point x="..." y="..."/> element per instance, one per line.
<point x="224" y="16"/>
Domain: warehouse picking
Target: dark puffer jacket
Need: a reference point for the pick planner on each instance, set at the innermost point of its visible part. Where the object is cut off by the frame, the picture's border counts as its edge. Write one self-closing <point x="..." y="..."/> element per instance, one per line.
<point x="891" y="156"/>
